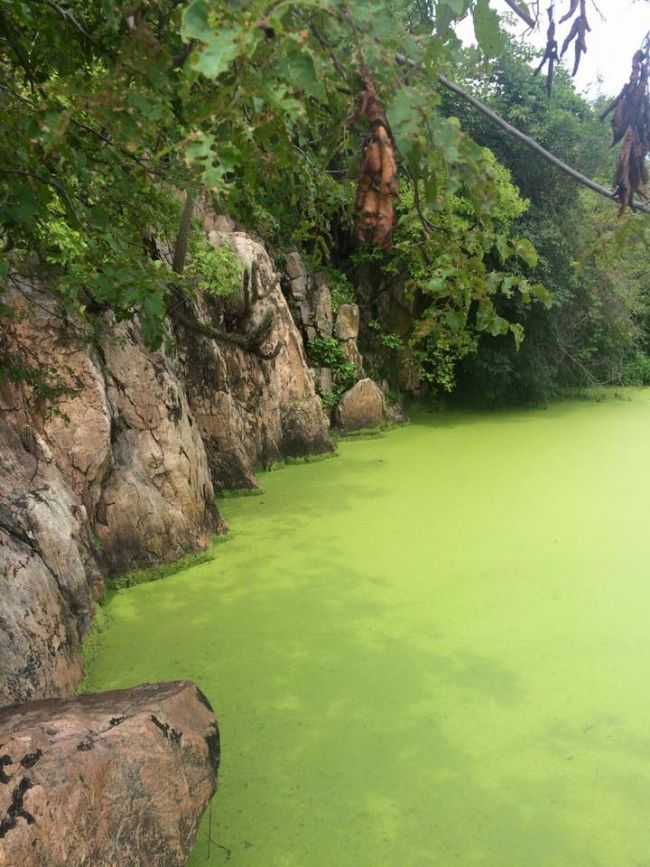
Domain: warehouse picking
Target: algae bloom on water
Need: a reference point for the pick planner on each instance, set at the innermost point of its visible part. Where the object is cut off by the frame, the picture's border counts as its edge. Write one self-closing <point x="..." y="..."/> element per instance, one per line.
<point x="433" y="650"/>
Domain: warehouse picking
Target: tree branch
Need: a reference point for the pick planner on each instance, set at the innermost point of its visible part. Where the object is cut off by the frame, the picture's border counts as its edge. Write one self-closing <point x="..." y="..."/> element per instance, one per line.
<point x="249" y="343"/>
<point x="522" y="13"/>
<point x="531" y="143"/>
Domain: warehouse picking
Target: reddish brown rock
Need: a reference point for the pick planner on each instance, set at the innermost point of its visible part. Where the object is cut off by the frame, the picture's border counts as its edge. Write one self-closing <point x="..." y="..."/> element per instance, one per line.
<point x="118" y="779"/>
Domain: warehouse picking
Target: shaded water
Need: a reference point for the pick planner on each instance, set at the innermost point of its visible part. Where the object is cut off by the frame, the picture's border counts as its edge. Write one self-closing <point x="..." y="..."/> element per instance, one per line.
<point x="432" y="650"/>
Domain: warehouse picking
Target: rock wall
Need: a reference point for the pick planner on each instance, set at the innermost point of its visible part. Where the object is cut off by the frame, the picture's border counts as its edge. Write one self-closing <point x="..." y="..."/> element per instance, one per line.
<point x="251" y="411"/>
<point x="124" y="473"/>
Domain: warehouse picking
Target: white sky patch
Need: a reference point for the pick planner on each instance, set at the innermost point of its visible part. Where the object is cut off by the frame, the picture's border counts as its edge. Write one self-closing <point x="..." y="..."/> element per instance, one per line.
<point x="612" y="42"/>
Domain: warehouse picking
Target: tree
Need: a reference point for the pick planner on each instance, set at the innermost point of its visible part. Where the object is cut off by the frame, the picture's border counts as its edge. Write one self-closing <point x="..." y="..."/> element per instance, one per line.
<point x="112" y="109"/>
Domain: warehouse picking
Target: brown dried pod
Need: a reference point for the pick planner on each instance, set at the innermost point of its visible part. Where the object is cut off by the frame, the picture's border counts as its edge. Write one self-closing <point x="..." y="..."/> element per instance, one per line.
<point x="571" y="12"/>
<point x="631" y="125"/>
<point x="378" y="185"/>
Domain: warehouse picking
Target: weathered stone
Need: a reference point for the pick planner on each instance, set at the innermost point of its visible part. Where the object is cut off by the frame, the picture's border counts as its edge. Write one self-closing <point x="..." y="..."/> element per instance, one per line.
<point x="310" y="333"/>
<point x="117" y="478"/>
<point x="324" y="381"/>
<point x="158" y="501"/>
<point x="119" y="778"/>
<point x="250" y="411"/>
<point x="294" y="265"/>
<point x="298" y="279"/>
<point x="321" y="302"/>
<point x="361" y="406"/>
<point x="48" y="577"/>
<point x="298" y="288"/>
<point x="224" y="223"/>
<point x="306" y="314"/>
<point x="352" y="353"/>
<point x="347" y="322"/>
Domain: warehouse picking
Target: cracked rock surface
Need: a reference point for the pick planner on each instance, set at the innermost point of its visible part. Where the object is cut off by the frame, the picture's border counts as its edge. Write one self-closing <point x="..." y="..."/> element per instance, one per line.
<point x="121" y="778"/>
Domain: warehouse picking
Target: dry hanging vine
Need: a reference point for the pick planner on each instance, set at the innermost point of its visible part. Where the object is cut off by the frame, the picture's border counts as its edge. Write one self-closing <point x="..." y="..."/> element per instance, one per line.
<point x="577" y="34"/>
<point x="631" y="125"/>
<point x="378" y="185"/>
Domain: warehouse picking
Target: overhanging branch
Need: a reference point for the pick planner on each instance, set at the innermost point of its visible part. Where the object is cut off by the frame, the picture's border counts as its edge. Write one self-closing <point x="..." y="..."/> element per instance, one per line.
<point x="525" y="139"/>
<point x="522" y="13"/>
<point x="531" y="143"/>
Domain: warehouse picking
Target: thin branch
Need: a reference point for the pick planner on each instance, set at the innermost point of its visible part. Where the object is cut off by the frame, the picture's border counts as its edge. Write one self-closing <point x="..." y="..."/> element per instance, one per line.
<point x="50" y="182"/>
<point x="99" y="135"/>
<point x="67" y="15"/>
<point x="522" y="13"/>
<point x="531" y="143"/>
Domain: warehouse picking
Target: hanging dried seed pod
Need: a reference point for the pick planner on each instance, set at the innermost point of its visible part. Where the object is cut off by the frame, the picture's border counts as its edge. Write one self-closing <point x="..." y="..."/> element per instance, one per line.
<point x="550" y="53"/>
<point x="631" y="125"/>
<point x="378" y="184"/>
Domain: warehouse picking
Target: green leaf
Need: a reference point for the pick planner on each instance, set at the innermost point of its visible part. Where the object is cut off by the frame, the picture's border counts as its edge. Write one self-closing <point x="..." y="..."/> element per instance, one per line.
<point x="195" y="23"/>
<point x="456" y="6"/>
<point x="223" y="48"/>
<point x="486" y="27"/>
<point x="503" y="247"/>
<point x="405" y="120"/>
<point x="299" y="70"/>
<point x="526" y="251"/>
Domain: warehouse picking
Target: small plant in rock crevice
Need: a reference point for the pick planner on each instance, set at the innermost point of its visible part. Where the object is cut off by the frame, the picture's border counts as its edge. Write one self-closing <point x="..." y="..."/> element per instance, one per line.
<point x="328" y="352"/>
<point x="215" y="271"/>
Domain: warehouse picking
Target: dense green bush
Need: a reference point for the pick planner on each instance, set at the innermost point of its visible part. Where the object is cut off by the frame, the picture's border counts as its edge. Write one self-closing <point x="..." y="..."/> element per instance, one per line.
<point x="637" y="370"/>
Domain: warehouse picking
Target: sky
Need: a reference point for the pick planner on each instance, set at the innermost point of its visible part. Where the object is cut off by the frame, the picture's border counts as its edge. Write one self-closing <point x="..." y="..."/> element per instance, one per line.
<point x="606" y="66"/>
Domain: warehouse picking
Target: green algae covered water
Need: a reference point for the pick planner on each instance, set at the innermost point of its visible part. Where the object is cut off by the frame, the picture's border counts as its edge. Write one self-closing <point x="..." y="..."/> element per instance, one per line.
<point x="432" y="650"/>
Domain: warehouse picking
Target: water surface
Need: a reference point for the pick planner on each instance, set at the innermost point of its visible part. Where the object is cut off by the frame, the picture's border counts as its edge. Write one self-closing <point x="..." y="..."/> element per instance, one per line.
<point x="431" y="650"/>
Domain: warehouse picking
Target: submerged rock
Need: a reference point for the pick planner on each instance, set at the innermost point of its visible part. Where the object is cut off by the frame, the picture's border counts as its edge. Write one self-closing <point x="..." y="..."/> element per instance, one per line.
<point x="361" y="406"/>
<point x="118" y="779"/>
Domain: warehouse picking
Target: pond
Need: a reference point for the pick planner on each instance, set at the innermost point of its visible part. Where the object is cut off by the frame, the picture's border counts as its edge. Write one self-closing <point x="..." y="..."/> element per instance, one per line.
<point x="433" y="649"/>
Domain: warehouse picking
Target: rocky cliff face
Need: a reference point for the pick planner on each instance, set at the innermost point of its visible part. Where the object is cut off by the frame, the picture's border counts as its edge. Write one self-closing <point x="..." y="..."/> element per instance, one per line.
<point x="124" y="473"/>
<point x="250" y="412"/>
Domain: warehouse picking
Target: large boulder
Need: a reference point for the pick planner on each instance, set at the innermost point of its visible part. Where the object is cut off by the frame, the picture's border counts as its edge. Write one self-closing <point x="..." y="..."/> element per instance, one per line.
<point x="362" y="406"/>
<point x="157" y="500"/>
<point x="118" y="779"/>
<point x="296" y="275"/>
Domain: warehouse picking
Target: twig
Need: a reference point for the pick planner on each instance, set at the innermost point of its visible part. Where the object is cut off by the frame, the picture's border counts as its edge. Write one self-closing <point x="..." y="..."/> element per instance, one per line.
<point x="522" y="13"/>
<point x="250" y="343"/>
<point x="67" y="15"/>
<point x="50" y="182"/>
